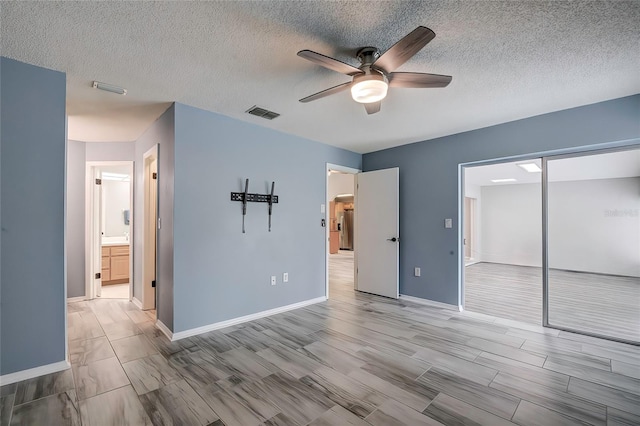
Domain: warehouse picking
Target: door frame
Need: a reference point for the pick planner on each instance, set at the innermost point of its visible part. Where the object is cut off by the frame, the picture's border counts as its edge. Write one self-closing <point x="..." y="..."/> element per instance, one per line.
<point x="90" y="232"/>
<point x="352" y="171"/>
<point x="150" y="155"/>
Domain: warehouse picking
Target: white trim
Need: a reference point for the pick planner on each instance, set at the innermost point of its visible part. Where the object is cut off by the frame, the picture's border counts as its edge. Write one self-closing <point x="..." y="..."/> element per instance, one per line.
<point x="431" y="303"/>
<point x="165" y="330"/>
<point x="34" y="372"/>
<point x="136" y="302"/>
<point x="239" y="320"/>
<point x="76" y="299"/>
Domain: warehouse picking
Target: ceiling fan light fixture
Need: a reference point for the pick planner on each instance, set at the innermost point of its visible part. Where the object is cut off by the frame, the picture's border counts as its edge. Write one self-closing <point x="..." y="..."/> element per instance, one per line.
<point x="368" y="88"/>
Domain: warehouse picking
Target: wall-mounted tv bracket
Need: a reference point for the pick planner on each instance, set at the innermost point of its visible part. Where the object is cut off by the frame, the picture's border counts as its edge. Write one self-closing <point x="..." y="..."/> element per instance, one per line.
<point x="273" y="184"/>
<point x="245" y="197"/>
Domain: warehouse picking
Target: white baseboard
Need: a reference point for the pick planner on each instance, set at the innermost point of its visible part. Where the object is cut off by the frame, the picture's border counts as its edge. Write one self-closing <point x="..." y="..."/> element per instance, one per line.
<point x="239" y="320"/>
<point x="137" y="303"/>
<point x="33" y="372"/>
<point x="432" y="303"/>
<point x="165" y="330"/>
<point x="76" y="299"/>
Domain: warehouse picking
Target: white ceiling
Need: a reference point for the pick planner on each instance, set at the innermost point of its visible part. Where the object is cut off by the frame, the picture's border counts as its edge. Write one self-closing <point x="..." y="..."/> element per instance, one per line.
<point x="509" y="60"/>
<point x="612" y="165"/>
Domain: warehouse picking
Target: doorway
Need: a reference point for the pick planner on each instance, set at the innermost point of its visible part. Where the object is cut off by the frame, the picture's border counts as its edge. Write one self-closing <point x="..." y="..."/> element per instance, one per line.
<point x="110" y="225"/>
<point x="340" y="226"/>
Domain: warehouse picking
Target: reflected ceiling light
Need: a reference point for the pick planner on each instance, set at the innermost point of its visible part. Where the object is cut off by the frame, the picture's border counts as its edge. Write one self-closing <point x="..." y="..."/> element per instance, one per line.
<point x="115" y="176"/>
<point x="109" y="88"/>
<point x="530" y="167"/>
<point x="503" y="180"/>
<point x="369" y="88"/>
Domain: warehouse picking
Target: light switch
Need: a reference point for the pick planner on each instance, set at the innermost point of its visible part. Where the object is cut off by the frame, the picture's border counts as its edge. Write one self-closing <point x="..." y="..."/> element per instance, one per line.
<point x="448" y="223"/>
<point x="322" y="208"/>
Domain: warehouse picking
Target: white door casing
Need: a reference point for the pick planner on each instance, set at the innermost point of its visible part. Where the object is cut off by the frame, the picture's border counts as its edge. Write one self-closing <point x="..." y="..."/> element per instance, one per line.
<point x="377" y="232"/>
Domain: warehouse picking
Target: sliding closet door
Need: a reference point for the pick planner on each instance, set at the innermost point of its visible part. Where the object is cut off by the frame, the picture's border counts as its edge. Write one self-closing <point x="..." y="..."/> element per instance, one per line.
<point x="592" y="274"/>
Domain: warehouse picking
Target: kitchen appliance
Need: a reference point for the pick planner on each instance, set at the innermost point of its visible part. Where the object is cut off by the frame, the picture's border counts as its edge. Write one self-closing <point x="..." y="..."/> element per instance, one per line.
<point x="345" y="226"/>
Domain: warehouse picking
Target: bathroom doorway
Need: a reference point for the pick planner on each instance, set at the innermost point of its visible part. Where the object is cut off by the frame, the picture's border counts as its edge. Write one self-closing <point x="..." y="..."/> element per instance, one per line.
<point x="110" y="226"/>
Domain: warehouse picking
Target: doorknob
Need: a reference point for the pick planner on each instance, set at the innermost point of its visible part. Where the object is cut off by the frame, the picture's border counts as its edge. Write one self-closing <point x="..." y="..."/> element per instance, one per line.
<point x="394" y="239"/>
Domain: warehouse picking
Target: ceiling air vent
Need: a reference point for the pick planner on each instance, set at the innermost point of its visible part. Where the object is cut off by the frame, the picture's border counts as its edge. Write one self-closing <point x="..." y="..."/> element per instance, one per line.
<point x="261" y="112"/>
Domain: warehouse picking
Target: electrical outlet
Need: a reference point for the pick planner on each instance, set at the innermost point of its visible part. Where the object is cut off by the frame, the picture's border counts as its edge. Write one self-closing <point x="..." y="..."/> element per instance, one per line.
<point x="416" y="272"/>
<point x="285" y="277"/>
<point x="448" y="223"/>
<point x="273" y="280"/>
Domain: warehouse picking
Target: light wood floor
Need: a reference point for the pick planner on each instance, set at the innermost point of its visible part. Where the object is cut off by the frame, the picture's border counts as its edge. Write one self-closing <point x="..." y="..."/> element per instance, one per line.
<point x="356" y="359"/>
<point x="115" y="291"/>
<point x="602" y="304"/>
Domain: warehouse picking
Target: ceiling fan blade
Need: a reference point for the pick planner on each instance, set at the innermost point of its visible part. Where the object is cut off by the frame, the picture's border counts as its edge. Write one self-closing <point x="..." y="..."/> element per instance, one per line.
<point x="373" y="107"/>
<point x="327" y="92"/>
<point x="418" y="79"/>
<point x="330" y="63"/>
<point x="403" y="50"/>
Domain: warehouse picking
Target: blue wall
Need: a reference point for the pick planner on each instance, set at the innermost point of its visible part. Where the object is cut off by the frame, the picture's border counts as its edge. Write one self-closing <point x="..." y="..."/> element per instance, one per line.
<point x="221" y="273"/>
<point x="32" y="169"/>
<point x="429" y="180"/>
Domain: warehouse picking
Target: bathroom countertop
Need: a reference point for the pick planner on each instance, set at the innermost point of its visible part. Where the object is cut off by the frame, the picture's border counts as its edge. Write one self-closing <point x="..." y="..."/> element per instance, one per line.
<point x="114" y="241"/>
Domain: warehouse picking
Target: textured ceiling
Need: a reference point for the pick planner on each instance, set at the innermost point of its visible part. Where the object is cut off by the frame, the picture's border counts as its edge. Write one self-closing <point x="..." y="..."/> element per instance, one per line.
<point x="509" y="60"/>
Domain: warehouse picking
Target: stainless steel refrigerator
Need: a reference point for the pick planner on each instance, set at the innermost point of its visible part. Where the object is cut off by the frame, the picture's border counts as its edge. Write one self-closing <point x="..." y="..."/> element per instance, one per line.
<point x="345" y="225"/>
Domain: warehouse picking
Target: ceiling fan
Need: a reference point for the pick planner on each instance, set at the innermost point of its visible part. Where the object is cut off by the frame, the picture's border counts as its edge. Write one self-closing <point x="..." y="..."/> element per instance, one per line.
<point x="375" y="74"/>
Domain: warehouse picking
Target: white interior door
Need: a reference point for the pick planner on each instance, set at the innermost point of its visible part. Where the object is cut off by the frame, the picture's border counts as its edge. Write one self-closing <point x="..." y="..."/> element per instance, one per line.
<point x="150" y="234"/>
<point x="96" y="232"/>
<point x="377" y="229"/>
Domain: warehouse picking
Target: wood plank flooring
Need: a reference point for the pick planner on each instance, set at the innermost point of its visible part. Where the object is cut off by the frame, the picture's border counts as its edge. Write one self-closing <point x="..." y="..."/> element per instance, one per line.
<point x="356" y="359"/>
<point x="602" y="304"/>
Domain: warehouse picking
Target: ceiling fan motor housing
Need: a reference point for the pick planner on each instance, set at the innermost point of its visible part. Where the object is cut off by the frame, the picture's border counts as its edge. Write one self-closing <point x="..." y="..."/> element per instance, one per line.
<point x="368" y="55"/>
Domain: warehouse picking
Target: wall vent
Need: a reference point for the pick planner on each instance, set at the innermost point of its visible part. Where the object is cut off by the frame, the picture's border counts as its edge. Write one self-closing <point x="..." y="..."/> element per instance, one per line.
<point x="263" y="113"/>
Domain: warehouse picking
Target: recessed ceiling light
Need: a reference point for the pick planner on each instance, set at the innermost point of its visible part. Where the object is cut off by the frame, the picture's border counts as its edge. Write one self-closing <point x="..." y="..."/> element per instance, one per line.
<point x="503" y="180"/>
<point x="344" y="195"/>
<point x="109" y="88"/>
<point x="530" y="167"/>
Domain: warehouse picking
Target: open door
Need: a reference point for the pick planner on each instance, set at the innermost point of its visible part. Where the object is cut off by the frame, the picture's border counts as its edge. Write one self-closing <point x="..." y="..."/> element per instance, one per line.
<point x="377" y="232"/>
<point x="150" y="228"/>
<point x="96" y="232"/>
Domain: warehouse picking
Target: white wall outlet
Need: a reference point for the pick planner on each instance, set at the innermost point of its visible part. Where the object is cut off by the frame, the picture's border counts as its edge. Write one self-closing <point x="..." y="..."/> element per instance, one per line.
<point x="285" y="277"/>
<point x="448" y="223"/>
<point x="416" y="272"/>
<point x="322" y="208"/>
<point x="273" y="280"/>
